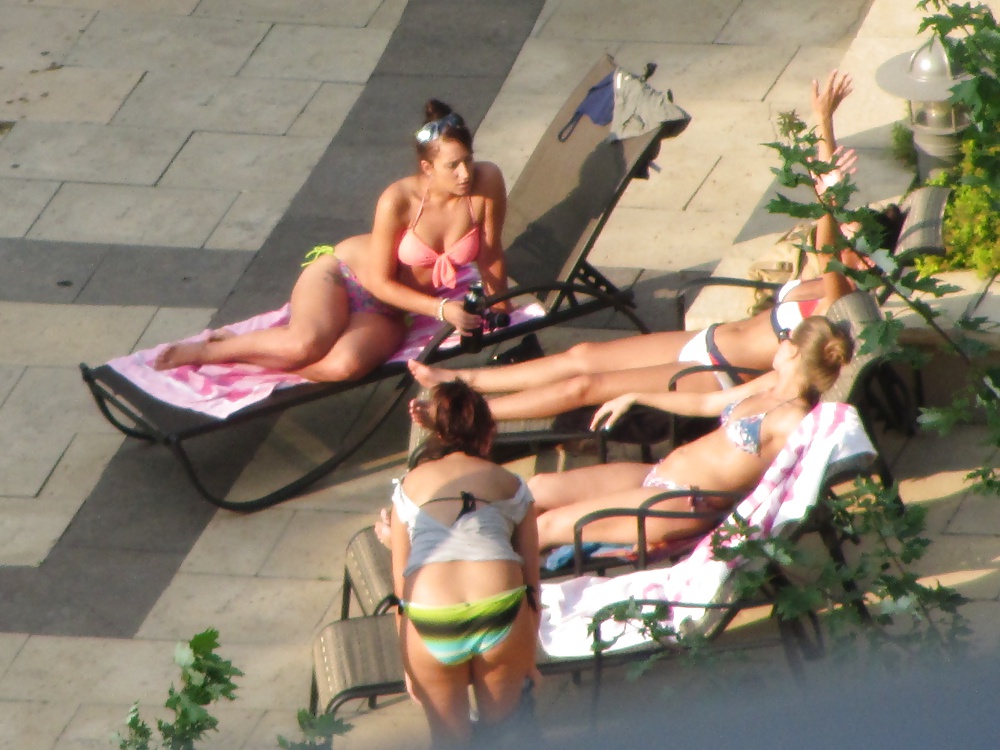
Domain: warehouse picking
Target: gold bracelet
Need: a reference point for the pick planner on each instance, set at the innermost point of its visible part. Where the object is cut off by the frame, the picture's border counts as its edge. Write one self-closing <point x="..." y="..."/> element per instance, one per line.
<point x="440" y="312"/>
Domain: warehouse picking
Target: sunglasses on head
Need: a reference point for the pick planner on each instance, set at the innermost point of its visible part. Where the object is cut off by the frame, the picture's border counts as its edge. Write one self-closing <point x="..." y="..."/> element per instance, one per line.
<point x="784" y="335"/>
<point x="435" y="128"/>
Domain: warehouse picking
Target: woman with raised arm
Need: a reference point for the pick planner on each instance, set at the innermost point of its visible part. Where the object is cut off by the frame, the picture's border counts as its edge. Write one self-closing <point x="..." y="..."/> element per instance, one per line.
<point x="465" y="570"/>
<point x="756" y="419"/>
<point x="592" y="373"/>
<point x="349" y="305"/>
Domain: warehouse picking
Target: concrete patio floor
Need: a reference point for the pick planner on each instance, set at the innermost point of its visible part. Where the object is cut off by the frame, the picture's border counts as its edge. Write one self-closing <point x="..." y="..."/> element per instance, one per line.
<point x="166" y="166"/>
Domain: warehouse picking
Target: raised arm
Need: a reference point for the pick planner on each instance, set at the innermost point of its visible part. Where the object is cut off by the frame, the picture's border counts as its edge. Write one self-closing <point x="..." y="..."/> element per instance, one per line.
<point x="825" y="100"/>
<point x="689" y="403"/>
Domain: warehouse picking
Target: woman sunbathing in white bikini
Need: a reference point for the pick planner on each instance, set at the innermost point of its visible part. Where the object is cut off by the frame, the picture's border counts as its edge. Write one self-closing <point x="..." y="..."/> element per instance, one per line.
<point x="756" y="420"/>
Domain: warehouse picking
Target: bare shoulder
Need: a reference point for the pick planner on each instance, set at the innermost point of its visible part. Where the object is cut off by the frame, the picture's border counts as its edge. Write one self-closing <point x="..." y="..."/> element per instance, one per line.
<point x="398" y="196"/>
<point x="489" y="180"/>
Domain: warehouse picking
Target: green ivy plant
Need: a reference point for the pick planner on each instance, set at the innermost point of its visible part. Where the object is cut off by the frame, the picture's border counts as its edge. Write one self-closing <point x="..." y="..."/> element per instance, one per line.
<point x="971" y="225"/>
<point x="207" y="678"/>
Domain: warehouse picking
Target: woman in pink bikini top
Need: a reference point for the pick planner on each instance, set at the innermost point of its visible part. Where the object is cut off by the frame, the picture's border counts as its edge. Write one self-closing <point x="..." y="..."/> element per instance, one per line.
<point x="434" y="233"/>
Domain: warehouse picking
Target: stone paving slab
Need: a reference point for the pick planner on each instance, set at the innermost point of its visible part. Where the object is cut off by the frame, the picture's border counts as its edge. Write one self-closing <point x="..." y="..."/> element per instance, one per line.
<point x="167" y="276"/>
<point x="30" y="526"/>
<point x="65" y="335"/>
<point x="304" y="53"/>
<point x="353" y="13"/>
<point x="640" y="20"/>
<point x="170" y="324"/>
<point x="283" y="611"/>
<point x="23" y="202"/>
<point x="154" y="42"/>
<point x="64" y="94"/>
<point x="326" y="111"/>
<point x="237" y="162"/>
<point x="130" y="215"/>
<point x="765" y="22"/>
<point x="55" y="273"/>
<point x="36" y="38"/>
<point x="215" y="103"/>
<point x="86" y="152"/>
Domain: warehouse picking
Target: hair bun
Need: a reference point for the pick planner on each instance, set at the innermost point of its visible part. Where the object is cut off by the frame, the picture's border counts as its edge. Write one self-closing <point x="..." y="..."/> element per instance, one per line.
<point x="435" y="109"/>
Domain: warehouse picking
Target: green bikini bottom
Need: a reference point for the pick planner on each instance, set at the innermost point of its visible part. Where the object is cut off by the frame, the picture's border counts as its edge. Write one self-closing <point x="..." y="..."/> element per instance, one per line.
<point x="454" y="633"/>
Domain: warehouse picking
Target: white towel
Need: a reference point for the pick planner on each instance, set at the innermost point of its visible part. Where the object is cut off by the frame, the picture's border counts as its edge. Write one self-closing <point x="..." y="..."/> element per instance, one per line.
<point x="830" y="435"/>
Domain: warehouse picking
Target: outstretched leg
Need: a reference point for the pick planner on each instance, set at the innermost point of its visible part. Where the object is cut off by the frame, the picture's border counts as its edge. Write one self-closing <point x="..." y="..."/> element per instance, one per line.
<point x="319" y="315"/>
<point x="594" y="389"/>
<point x="566" y="497"/>
<point x="582" y="359"/>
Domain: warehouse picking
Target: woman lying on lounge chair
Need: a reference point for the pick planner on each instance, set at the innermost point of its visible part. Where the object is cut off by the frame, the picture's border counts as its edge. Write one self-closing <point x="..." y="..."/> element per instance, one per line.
<point x="465" y="567"/>
<point x="592" y="373"/>
<point x="348" y="309"/>
<point x="756" y="420"/>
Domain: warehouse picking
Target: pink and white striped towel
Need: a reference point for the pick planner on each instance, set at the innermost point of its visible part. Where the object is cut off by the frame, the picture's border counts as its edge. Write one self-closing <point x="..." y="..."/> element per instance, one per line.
<point x="829" y="435"/>
<point x="220" y="390"/>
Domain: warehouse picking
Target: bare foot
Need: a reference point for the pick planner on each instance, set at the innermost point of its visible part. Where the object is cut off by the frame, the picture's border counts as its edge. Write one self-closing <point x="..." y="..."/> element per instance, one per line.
<point x="176" y="355"/>
<point x="429" y="376"/>
<point x="420" y="413"/>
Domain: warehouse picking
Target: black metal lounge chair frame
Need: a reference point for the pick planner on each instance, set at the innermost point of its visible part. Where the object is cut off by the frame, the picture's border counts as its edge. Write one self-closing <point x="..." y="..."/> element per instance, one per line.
<point x="555" y="272"/>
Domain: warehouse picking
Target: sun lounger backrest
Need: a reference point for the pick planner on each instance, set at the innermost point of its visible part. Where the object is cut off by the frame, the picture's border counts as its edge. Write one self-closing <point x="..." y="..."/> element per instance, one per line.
<point x="567" y="190"/>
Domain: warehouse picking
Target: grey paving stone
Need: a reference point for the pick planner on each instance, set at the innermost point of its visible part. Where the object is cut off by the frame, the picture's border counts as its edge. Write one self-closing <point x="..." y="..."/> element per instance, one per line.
<point x="640" y="20"/>
<point x="326" y="111"/>
<point x="770" y="22"/>
<point x="9" y="375"/>
<point x="435" y="38"/>
<point x="716" y="71"/>
<point x="23" y="201"/>
<point x="64" y="94"/>
<point x="159" y="7"/>
<point x="304" y="53"/>
<point x="249" y="609"/>
<point x="215" y="103"/>
<point x="228" y="161"/>
<point x="347" y="181"/>
<point x="153" y="42"/>
<point x="35" y="38"/>
<point x="391" y="108"/>
<point x="53" y="272"/>
<point x="355" y="13"/>
<point x="165" y="277"/>
<point x="133" y="215"/>
<point x="88" y="153"/>
<point x="172" y="323"/>
<point x="48" y="335"/>
<point x="248" y="222"/>
<point x="27" y="458"/>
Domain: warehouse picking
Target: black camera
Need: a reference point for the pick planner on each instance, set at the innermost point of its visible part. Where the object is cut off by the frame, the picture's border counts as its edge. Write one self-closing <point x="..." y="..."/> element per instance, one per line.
<point x="475" y="303"/>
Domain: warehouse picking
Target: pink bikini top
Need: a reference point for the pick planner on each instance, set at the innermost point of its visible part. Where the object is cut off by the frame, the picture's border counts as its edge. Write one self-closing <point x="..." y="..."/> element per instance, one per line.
<point x="413" y="251"/>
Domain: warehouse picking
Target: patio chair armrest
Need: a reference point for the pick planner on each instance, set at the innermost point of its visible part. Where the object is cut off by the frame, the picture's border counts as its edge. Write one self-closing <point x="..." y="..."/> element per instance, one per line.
<point x="696" y="285"/>
<point x="728" y="369"/>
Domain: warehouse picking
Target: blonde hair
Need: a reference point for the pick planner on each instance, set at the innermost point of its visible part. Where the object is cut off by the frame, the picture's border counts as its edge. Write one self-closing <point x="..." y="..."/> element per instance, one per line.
<point x="824" y="349"/>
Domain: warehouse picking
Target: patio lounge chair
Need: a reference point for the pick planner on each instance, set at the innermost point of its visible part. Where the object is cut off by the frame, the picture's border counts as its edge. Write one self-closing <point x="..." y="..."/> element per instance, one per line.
<point x="556" y="210"/>
<point x="359" y="657"/>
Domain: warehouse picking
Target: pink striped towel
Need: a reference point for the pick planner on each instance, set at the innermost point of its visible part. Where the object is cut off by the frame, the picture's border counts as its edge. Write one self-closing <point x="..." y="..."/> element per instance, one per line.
<point x="220" y="390"/>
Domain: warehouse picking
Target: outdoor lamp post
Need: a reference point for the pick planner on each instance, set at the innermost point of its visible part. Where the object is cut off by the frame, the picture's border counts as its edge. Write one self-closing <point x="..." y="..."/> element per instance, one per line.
<point x="924" y="78"/>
